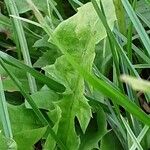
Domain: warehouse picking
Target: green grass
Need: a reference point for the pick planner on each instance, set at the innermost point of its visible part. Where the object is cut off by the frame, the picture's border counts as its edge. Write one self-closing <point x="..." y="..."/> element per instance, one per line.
<point x="61" y="67"/>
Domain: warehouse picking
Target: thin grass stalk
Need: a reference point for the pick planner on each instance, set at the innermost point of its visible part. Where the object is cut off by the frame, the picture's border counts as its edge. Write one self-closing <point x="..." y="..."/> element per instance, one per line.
<point x="130" y="66"/>
<point x="22" y="42"/>
<point x="143" y="18"/>
<point x="117" y="121"/>
<point x="12" y="25"/>
<point x="56" y="10"/>
<point x="4" y="115"/>
<point x="49" y="10"/>
<point x="131" y="94"/>
<point x="112" y="123"/>
<point x="114" y="53"/>
<point x="52" y="84"/>
<point x="129" y="36"/>
<point x="118" y="72"/>
<point x="120" y="16"/>
<point x="138" y="26"/>
<point x="144" y="57"/>
<point x="129" y="131"/>
<point x="140" y="137"/>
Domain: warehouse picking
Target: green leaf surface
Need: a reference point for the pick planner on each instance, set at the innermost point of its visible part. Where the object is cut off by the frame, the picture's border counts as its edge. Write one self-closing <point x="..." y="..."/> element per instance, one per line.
<point x="113" y="143"/>
<point x="76" y="36"/>
<point x="77" y="29"/>
<point x="94" y="133"/>
<point x="55" y="116"/>
<point x="22" y="119"/>
<point x="3" y="143"/>
<point x="8" y="83"/>
<point x="26" y="139"/>
<point x="44" y="99"/>
<point x="25" y="126"/>
<point x="111" y="92"/>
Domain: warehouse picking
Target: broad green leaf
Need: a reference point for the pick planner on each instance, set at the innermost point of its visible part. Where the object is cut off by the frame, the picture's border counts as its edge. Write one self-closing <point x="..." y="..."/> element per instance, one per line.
<point x="22" y="119"/>
<point x="26" y="139"/>
<point x="44" y="99"/>
<point x="95" y="131"/>
<point x="47" y="58"/>
<point x="3" y="143"/>
<point x="8" y="83"/>
<point x="79" y="27"/>
<point x="43" y="42"/>
<point x="66" y="130"/>
<point x="137" y="84"/>
<point x="73" y="98"/>
<point x="110" y="141"/>
<point x="55" y="116"/>
<point x="76" y="36"/>
<point x="25" y="125"/>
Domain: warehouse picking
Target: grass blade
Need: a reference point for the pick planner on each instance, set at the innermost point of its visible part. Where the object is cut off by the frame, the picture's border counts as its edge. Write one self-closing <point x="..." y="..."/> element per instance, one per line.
<point x="140" y="137"/>
<point x="22" y="42"/>
<point x="44" y="79"/>
<point x="4" y="115"/>
<point x="26" y="20"/>
<point x="136" y="49"/>
<point x="137" y="24"/>
<point x="56" y="10"/>
<point x="135" y="140"/>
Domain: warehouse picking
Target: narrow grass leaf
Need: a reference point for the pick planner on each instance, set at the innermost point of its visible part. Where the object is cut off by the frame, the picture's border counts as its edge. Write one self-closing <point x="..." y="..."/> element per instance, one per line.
<point x="26" y="20"/>
<point x="22" y="41"/>
<point x="134" y="139"/>
<point x="52" y="84"/>
<point x="140" y="137"/>
<point x="135" y="48"/>
<point x="137" y="24"/>
<point x="4" y="115"/>
<point x="56" y="10"/>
